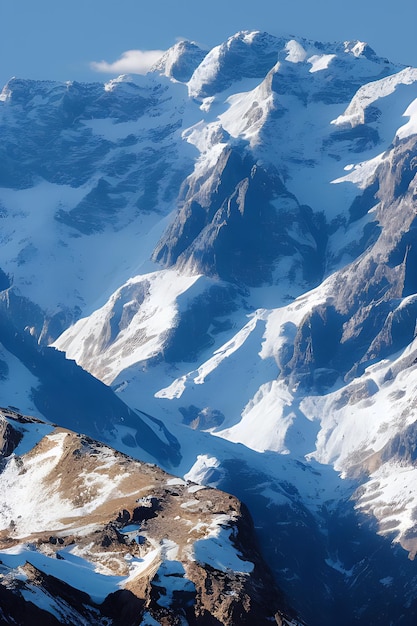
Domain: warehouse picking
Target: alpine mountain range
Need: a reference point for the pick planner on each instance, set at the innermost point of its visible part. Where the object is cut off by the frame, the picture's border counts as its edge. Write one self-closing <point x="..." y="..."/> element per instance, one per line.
<point x="212" y="269"/>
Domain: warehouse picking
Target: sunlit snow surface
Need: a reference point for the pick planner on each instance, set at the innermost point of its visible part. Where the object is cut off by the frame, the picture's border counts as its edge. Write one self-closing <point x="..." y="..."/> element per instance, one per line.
<point x="144" y="334"/>
<point x="73" y="570"/>
<point x="32" y="501"/>
<point x="410" y="128"/>
<point x="217" y="551"/>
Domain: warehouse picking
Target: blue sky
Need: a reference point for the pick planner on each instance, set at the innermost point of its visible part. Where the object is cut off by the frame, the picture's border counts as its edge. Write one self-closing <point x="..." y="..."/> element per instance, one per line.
<point x="59" y="39"/>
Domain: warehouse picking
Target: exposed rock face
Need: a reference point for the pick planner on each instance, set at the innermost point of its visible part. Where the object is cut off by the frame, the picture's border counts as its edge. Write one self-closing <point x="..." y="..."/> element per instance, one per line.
<point x="372" y="312"/>
<point x="237" y="221"/>
<point x="121" y="541"/>
<point x="9" y="439"/>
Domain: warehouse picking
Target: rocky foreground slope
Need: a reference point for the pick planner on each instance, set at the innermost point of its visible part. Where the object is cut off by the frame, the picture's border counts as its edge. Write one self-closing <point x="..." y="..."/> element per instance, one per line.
<point x="91" y="536"/>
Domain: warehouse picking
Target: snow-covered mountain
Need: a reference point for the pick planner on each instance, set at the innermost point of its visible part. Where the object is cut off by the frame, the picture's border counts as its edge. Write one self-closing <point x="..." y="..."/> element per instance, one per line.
<point x="229" y="244"/>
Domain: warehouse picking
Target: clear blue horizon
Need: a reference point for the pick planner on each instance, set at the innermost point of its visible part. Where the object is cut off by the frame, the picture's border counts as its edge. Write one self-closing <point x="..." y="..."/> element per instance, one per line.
<point x="55" y="40"/>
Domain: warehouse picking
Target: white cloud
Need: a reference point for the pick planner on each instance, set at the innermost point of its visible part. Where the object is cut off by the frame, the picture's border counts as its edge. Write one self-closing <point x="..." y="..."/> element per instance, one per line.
<point x="130" y="62"/>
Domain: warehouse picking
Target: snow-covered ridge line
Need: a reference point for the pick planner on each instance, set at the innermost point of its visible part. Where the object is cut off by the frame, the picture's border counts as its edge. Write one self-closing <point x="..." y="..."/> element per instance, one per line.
<point x="371" y="93"/>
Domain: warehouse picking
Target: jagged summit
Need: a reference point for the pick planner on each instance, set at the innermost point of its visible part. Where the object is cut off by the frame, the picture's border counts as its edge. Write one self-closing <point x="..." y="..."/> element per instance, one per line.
<point x="252" y="54"/>
<point x="180" y="61"/>
<point x="246" y="54"/>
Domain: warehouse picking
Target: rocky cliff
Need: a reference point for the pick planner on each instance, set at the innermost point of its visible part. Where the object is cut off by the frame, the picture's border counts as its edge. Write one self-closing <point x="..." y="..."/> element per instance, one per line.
<point x="89" y="535"/>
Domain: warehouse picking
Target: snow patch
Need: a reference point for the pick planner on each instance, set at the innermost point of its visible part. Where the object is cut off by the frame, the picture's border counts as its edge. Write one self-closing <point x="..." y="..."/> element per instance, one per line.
<point x="295" y="52"/>
<point x="410" y="128"/>
<point x="202" y="469"/>
<point x="320" y="62"/>
<point x="217" y="549"/>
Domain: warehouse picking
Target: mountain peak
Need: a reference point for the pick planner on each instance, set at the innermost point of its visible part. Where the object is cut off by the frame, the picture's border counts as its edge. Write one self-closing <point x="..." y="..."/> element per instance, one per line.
<point x="360" y="48"/>
<point x="180" y="61"/>
<point x="252" y="54"/>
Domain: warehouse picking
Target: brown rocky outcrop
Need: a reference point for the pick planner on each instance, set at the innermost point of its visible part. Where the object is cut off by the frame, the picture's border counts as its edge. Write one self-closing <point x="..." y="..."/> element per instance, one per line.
<point x="164" y="549"/>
